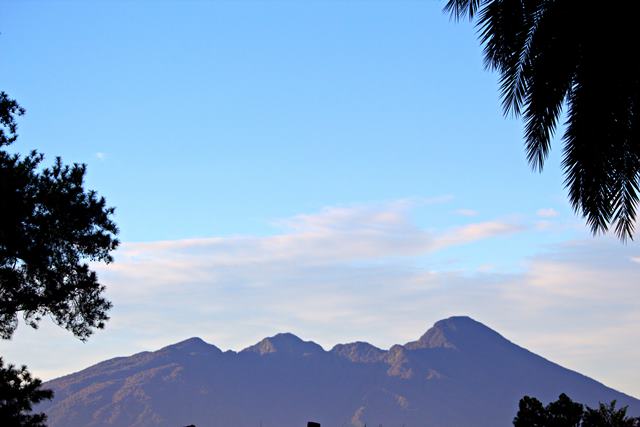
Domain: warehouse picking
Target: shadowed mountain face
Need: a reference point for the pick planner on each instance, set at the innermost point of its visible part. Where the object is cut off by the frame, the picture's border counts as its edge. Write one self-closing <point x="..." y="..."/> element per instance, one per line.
<point x="459" y="373"/>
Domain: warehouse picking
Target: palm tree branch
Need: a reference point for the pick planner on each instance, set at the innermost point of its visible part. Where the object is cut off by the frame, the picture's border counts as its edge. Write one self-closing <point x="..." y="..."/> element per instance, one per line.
<point x="460" y="9"/>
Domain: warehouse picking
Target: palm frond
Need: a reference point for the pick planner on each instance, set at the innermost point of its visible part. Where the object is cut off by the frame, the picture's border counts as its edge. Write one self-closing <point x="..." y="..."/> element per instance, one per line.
<point x="585" y="170"/>
<point x="552" y="53"/>
<point x="602" y="145"/>
<point x="526" y="41"/>
<point x="553" y="58"/>
<point x="626" y="163"/>
<point x="505" y="30"/>
<point x="460" y="9"/>
<point x="601" y="165"/>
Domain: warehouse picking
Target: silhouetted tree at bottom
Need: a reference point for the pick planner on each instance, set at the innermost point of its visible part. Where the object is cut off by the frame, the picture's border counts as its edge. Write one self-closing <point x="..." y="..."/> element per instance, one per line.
<point x="608" y="416"/>
<point x="564" y="412"/>
<point x="18" y="392"/>
<point x="531" y="413"/>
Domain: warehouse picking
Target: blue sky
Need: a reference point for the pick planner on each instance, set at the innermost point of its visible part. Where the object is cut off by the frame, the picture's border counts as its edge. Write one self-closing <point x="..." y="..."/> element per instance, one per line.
<point x="350" y="155"/>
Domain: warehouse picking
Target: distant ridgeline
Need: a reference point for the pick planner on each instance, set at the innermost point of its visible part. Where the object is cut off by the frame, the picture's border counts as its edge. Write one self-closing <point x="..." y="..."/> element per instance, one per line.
<point x="309" y="424"/>
<point x="460" y="373"/>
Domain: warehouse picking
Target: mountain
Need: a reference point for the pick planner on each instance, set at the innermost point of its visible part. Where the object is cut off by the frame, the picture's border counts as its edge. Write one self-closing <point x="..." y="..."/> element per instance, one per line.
<point x="287" y="343"/>
<point x="459" y="373"/>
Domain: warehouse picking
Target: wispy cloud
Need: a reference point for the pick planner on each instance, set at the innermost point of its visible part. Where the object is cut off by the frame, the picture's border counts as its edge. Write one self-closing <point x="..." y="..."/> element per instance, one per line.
<point x="475" y="232"/>
<point x="466" y="212"/>
<point x="547" y="213"/>
<point x="333" y="236"/>
<point x="101" y="155"/>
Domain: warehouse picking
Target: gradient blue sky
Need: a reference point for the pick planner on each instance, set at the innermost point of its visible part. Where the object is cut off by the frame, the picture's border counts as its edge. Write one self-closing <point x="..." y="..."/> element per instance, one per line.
<point x="340" y="169"/>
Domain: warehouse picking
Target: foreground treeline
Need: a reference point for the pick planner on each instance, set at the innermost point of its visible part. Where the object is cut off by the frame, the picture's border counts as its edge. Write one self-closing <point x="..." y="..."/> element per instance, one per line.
<point x="564" y="412"/>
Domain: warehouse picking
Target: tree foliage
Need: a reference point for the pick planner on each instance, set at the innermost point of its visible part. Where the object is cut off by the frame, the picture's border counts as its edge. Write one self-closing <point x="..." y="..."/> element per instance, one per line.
<point x="566" y="413"/>
<point x="9" y="108"/>
<point x="531" y="413"/>
<point x="552" y="54"/>
<point x="562" y="413"/>
<point x="18" y="393"/>
<point x="608" y="416"/>
<point x="51" y="228"/>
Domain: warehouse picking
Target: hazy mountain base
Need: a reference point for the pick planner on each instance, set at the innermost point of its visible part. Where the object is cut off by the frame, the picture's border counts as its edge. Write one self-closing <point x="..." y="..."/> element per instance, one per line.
<point x="459" y="373"/>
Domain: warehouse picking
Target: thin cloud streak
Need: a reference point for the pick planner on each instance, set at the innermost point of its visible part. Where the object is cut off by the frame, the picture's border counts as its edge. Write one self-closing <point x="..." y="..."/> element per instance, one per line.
<point x="547" y="213"/>
<point x="466" y="212"/>
<point x="332" y="236"/>
<point x="475" y="232"/>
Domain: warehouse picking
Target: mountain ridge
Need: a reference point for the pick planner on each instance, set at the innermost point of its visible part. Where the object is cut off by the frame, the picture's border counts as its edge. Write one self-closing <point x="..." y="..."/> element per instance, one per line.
<point x="285" y="342"/>
<point x="456" y="368"/>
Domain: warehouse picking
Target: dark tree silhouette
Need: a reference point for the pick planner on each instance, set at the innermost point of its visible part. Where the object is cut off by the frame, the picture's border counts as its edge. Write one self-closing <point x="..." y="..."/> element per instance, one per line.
<point x="531" y="413"/>
<point x="555" y="53"/>
<point x="608" y="416"/>
<point x="562" y="413"/>
<point x="566" y="413"/>
<point x="8" y="109"/>
<point x="50" y="228"/>
<point x="18" y="392"/>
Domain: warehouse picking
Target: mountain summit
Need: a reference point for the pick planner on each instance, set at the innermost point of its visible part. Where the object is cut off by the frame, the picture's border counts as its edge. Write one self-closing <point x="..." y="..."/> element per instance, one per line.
<point x="459" y="373"/>
<point x="459" y="332"/>
<point x="192" y="345"/>
<point x="285" y="343"/>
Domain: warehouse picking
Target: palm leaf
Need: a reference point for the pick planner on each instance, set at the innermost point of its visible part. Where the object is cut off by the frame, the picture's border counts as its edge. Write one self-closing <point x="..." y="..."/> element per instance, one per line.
<point x="460" y="9"/>
<point x="552" y="53"/>
<point x="552" y="61"/>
